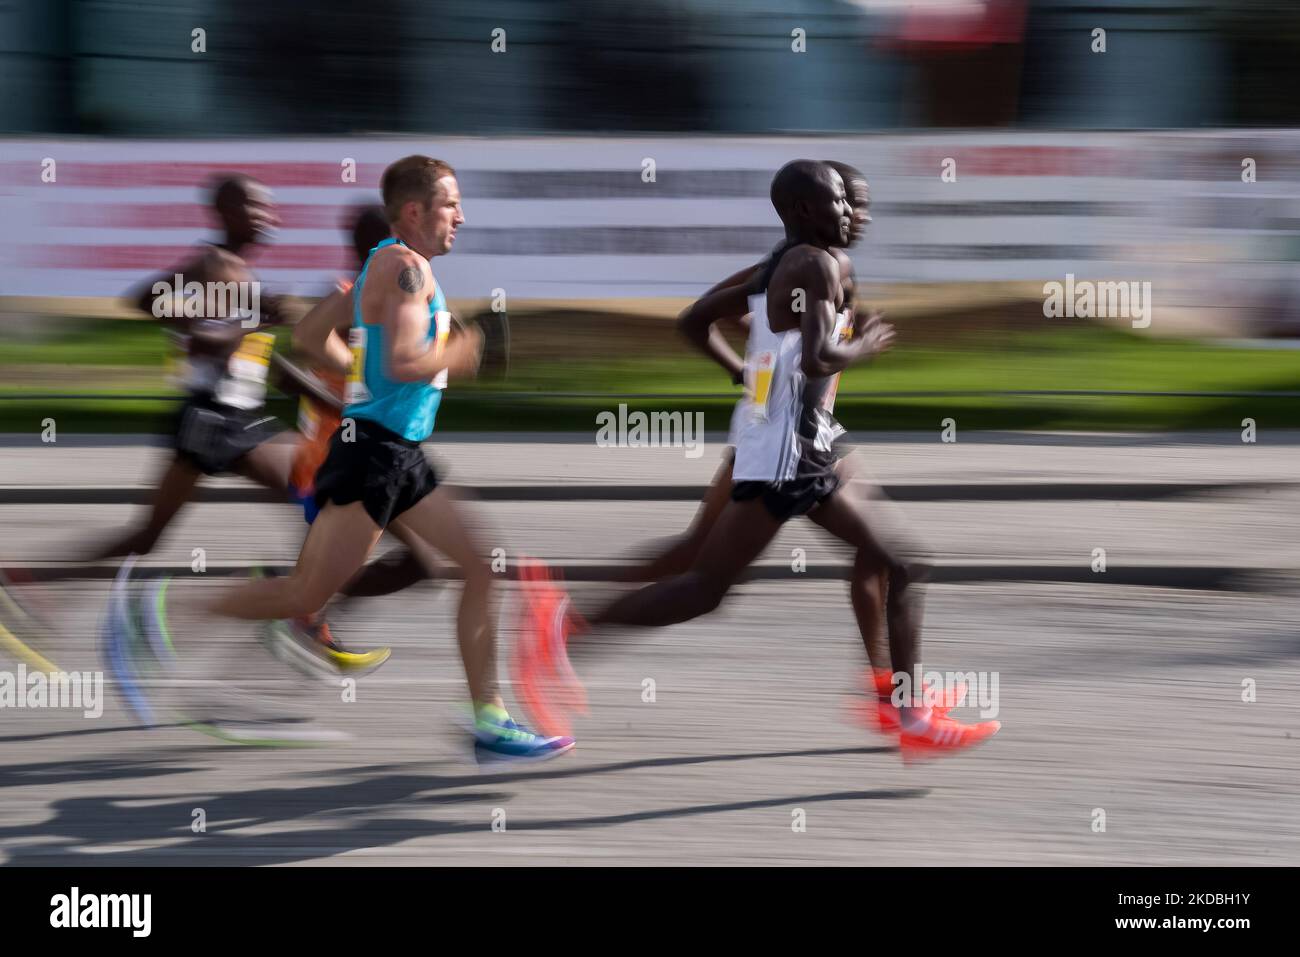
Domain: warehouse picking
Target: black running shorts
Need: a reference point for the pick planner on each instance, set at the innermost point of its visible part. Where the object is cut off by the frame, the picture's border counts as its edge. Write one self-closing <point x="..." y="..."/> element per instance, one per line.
<point x="785" y="500"/>
<point x="382" y="470"/>
<point x="213" y="437"/>
<point x="816" y="477"/>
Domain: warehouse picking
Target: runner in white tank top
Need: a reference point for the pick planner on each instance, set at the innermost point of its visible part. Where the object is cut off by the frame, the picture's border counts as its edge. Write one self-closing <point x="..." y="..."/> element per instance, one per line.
<point x="767" y="447"/>
<point x="804" y="353"/>
<point x="729" y="300"/>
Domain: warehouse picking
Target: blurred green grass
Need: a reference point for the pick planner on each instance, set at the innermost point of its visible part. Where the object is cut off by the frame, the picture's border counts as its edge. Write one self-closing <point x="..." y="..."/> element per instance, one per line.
<point x="126" y="358"/>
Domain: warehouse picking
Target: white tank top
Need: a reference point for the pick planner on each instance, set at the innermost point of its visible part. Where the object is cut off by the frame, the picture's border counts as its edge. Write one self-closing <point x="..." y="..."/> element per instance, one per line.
<point x="758" y="423"/>
<point x="239" y="382"/>
<point x="767" y="447"/>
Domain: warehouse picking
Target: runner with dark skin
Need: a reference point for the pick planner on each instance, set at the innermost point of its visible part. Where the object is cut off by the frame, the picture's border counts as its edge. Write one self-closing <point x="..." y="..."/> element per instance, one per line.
<point x="785" y="466"/>
<point x="728" y="301"/>
<point x="247" y="214"/>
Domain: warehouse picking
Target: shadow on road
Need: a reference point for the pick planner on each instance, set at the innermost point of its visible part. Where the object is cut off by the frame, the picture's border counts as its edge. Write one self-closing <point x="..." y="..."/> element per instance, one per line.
<point x="277" y="825"/>
<point x="79" y="732"/>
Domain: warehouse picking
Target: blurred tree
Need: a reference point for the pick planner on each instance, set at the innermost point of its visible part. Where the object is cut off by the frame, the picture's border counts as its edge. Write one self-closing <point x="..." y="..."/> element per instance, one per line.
<point x="315" y="66"/>
<point x="1263" y="38"/>
<point x="631" y="67"/>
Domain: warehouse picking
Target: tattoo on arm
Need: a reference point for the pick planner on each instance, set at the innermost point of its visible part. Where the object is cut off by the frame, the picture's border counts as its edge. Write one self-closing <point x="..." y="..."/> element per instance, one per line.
<point x="411" y="279"/>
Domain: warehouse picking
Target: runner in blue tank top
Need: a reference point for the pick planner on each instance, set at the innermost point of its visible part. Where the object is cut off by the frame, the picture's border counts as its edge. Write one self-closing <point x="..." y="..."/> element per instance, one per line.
<point x="407" y="408"/>
<point x="402" y="354"/>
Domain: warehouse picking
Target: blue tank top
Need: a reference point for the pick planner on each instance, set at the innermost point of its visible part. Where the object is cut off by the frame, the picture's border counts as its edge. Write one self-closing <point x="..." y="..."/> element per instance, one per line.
<point x="407" y="408"/>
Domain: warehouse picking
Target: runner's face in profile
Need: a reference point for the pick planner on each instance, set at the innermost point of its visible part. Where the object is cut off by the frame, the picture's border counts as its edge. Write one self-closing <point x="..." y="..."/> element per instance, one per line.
<point x="252" y="217"/>
<point x="860" y="198"/>
<point x="831" y="216"/>
<point x="443" y="217"/>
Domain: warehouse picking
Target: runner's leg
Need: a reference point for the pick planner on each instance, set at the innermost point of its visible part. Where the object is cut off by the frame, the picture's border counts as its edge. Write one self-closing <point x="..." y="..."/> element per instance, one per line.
<point x="336" y="546"/>
<point x="175" y="488"/>
<point x="268" y="464"/>
<point x="681" y="555"/>
<point x="742" y="532"/>
<point x="414" y="564"/>
<point x="868" y="583"/>
<point x="844" y="517"/>
<point x="436" y="519"/>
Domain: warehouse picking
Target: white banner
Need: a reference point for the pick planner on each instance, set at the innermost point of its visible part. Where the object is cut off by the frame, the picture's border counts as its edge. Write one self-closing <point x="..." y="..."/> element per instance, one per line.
<point x="581" y="218"/>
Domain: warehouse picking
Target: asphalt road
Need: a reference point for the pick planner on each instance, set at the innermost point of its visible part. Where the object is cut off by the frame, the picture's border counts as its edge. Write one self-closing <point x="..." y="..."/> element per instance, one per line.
<point x="1113" y="698"/>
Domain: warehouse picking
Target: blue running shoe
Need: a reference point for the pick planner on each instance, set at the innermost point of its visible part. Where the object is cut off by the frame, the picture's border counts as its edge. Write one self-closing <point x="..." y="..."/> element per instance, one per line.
<point x="503" y="740"/>
<point x="120" y="635"/>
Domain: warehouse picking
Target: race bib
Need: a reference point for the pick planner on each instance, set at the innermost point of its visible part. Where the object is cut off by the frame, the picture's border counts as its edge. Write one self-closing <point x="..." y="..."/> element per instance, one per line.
<point x="308" y="418"/>
<point x="355" y="388"/>
<point x="844" y="326"/>
<point x="758" y="371"/>
<point x="442" y="329"/>
<point x="244" y="384"/>
<point x="177" y="364"/>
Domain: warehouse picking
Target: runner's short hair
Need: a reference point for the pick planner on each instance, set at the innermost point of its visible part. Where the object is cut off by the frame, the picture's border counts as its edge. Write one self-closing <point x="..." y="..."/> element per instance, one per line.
<point x="412" y="178"/>
<point x="228" y="188"/>
<point x="795" y="181"/>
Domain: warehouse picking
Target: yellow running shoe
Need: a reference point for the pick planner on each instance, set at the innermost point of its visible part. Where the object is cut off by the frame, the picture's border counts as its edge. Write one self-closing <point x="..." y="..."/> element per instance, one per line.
<point x="309" y="645"/>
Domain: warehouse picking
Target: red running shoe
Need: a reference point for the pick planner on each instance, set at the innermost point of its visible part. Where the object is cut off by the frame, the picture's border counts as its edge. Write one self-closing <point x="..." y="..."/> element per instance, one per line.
<point x="548" y="687"/>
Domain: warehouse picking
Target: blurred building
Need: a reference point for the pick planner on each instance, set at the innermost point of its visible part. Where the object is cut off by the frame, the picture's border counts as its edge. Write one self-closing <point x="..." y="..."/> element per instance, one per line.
<point x="137" y="67"/>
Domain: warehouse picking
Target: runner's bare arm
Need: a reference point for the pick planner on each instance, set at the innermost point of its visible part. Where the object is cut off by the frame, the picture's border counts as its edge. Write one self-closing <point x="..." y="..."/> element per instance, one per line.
<point x="317" y="334"/>
<point x="142" y="297"/>
<point x="403" y="287"/>
<point x="743" y="277"/>
<point x="219" y="335"/>
<point x="816" y="274"/>
<point x="696" y="323"/>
